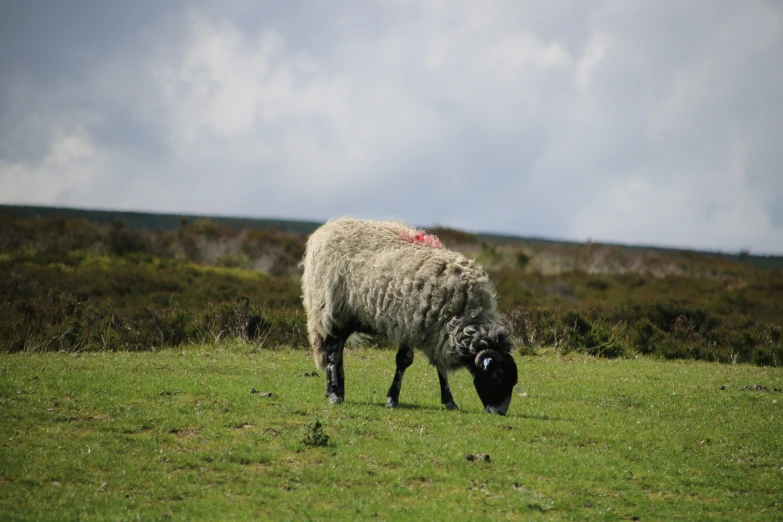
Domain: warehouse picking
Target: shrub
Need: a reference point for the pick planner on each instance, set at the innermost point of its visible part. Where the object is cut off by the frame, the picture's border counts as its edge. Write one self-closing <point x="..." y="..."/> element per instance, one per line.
<point x="596" y="338"/>
<point x="314" y="435"/>
<point x="210" y="229"/>
<point x="644" y="336"/>
<point x="599" y="284"/>
<point x="124" y="240"/>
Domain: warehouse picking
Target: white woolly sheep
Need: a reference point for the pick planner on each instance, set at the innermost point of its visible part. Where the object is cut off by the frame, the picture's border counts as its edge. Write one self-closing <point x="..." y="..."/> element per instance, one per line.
<point x="390" y="279"/>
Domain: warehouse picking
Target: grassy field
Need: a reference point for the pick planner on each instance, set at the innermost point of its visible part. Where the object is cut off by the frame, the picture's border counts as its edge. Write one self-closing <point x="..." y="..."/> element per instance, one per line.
<point x="180" y="434"/>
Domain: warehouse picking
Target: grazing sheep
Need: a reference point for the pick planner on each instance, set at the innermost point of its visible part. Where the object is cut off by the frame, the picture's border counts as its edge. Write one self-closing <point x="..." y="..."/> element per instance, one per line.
<point x="390" y="279"/>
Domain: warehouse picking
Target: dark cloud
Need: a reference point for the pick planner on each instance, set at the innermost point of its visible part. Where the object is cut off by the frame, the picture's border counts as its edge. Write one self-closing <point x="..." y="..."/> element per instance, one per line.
<point x="612" y="120"/>
<point x="47" y="40"/>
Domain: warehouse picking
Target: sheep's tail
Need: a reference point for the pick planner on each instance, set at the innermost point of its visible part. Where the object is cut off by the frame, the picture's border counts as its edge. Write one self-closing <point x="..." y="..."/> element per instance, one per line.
<point x="319" y="349"/>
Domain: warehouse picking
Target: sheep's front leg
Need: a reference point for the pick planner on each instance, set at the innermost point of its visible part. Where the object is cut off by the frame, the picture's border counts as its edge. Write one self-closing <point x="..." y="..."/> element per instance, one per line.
<point x="445" y="392"/>
<point x="335" y="374"/>
<point x="404" y="359"/>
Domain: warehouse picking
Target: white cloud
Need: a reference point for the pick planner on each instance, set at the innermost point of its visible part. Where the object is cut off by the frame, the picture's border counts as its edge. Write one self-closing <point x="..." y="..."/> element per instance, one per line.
<point x="613" y="120"/>
<point x="593" y="55"/>
<point x="71" y="165"/>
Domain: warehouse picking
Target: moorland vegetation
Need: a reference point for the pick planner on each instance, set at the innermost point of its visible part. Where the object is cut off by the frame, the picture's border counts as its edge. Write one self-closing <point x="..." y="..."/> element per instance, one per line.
<point x="73" y="284"/>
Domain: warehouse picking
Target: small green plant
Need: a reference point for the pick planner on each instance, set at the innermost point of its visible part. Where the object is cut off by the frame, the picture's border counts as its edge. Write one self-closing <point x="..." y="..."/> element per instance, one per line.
<point x="314" y="435"/>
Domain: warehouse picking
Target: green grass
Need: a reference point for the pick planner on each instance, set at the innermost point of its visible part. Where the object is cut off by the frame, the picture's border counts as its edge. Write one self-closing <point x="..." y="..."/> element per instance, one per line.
<point x="178" y="434"/>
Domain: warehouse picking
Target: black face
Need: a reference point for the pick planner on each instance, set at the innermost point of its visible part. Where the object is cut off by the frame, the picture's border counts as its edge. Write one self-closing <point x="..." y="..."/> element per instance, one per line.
<point x="494" y="377"/>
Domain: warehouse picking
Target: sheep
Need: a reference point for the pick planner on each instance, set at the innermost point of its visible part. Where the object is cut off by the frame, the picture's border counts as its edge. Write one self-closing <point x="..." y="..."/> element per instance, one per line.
<point x="382" y="277"/>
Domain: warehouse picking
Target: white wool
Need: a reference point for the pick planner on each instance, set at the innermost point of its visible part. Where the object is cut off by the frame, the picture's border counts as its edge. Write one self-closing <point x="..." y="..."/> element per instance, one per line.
<point x="371" y="273"/>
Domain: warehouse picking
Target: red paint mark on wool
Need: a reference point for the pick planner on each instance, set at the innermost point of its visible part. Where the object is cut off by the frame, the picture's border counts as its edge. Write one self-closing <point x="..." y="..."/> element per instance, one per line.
<point x="420" y="236"/>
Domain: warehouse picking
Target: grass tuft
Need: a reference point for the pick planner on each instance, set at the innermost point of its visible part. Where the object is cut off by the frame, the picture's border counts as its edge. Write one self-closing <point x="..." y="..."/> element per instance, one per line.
<point x="314" y="435"/>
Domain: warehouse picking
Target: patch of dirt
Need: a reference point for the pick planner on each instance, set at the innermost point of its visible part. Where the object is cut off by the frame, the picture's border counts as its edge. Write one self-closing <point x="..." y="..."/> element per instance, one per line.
<point x="751" y="387"/>
<point x="419" y="482"/>
<point x="758" y="387"/>
<point x="188" y="431"/>
<point x="483" y="457"/>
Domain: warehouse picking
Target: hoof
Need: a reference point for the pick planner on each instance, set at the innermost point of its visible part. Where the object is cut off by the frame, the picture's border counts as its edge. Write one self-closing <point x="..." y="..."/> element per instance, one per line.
<point x="391" y="403"/>
<point x="335" y="399"/>
<point x="451" y="406"/>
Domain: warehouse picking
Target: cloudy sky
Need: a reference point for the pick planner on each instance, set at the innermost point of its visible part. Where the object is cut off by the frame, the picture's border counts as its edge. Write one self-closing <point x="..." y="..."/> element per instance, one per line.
<point x="625" y="121"/>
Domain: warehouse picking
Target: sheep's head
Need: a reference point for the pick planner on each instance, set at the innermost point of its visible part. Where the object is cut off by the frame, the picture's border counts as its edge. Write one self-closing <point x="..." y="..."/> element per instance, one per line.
<point x="485" y="351"/>
<point x="494" y="376"/>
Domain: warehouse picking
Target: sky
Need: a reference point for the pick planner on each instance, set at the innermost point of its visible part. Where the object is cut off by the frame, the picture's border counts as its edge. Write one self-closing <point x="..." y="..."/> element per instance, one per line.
<point x="628" y="121"/>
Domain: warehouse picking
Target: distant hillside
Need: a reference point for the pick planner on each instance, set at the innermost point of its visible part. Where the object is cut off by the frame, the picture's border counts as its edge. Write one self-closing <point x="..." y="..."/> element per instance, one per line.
<point x="756" y="261"/>
<point x="149" y="221"/>
<point x="169" y="222"/>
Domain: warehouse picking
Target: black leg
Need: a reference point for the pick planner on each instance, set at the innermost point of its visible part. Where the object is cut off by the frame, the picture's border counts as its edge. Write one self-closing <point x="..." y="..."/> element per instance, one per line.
<point x="445" y="392"/>
<point x="404" y="359"/>
<point x="335" y="374"/>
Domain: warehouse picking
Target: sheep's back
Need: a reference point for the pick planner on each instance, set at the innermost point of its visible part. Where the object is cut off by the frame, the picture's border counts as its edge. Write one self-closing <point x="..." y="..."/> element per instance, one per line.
<point x="369" y="272"/>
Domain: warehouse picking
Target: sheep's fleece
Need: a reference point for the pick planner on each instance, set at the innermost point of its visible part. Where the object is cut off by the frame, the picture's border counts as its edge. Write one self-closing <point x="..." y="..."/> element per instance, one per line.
<point x="381" y="277"/>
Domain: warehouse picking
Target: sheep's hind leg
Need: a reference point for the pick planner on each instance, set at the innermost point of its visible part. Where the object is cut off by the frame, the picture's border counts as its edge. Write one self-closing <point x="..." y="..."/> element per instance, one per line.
<point x="445" y="392"/>
<point x="335" y="374"/>
<point x="404" y="359"/>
